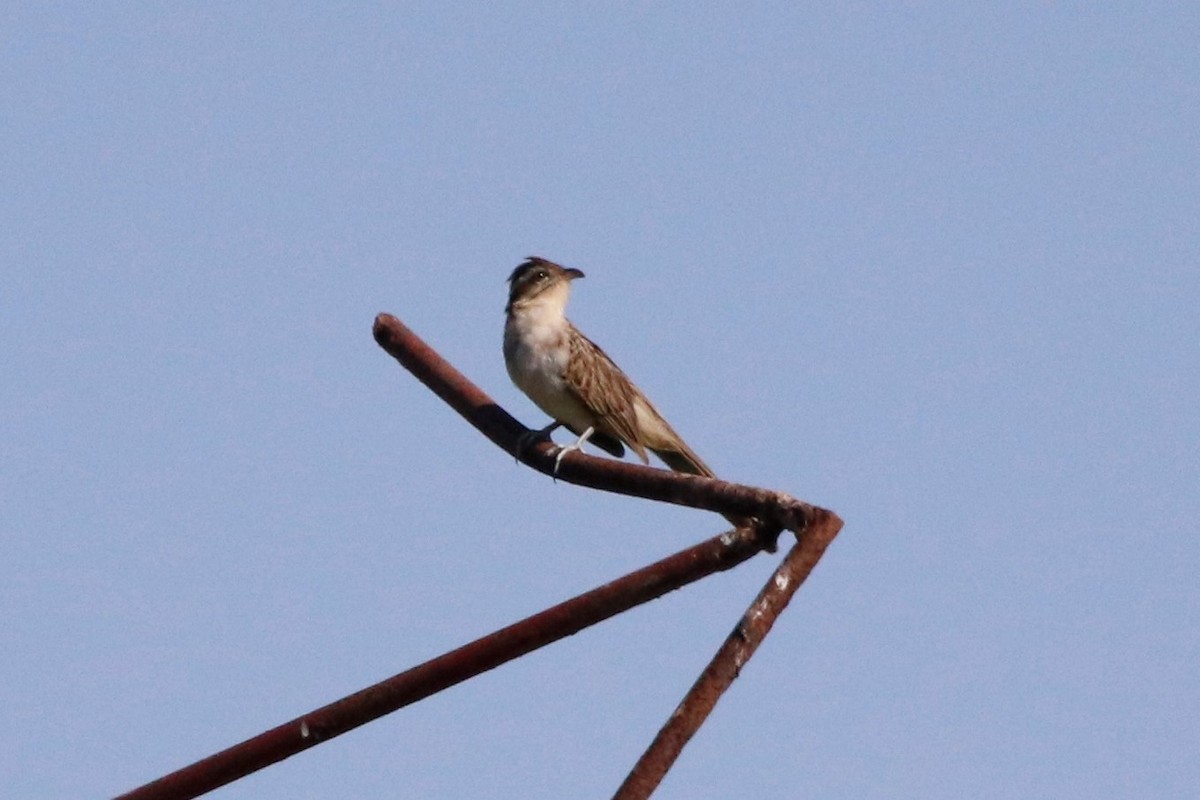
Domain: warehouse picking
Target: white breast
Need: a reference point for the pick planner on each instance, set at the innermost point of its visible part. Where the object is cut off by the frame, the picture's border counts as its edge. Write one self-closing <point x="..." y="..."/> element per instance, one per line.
<point x="536" y="352"/>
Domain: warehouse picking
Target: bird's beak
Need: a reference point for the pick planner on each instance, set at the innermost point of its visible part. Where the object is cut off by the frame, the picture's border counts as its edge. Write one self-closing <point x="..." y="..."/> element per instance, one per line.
<point x="573" y="273"/>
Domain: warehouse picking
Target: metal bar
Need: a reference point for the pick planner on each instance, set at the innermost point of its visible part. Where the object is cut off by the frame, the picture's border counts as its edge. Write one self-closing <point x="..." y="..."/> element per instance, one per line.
<point x="776" y="509"/>
<point x="714" y="555"/>
<point x="773" y="511"/>
<point x="725" y="666"/>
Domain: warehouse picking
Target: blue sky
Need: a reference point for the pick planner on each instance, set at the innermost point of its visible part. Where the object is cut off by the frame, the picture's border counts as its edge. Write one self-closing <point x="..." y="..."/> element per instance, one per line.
<point x="931" y="266"/>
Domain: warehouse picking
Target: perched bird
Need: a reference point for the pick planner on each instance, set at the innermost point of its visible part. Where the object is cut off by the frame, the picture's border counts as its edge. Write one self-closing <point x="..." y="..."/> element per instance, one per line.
<point x="570" y="378"/>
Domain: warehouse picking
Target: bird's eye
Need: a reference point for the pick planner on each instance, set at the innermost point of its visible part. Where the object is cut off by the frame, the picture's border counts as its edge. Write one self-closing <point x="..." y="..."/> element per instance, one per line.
<point x="541" y="275"/>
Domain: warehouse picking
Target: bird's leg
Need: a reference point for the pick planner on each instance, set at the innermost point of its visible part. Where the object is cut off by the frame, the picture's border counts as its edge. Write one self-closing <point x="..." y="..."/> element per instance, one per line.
<point x="578" y="445"/>
<point x="529" y="437"/>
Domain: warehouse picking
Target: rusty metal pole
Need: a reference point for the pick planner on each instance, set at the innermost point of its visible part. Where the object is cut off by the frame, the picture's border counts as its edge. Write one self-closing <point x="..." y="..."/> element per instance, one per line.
<point x="729" y="660"/>
<point x="774" y="511"/>
<point x="716" y="554"/>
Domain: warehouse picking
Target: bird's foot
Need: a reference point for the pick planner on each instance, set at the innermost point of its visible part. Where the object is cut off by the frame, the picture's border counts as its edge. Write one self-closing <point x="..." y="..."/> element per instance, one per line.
<point x="529" y="438"/>
<point x="562" y="451"/>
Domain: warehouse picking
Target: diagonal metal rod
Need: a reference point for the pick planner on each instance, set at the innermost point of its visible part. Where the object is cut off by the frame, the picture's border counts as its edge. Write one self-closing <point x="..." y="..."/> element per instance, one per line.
<point x="725" y="666"/>
<point x="567" y="618"/>
<point x="813" y="526"/>
<point x="777" y="509"/>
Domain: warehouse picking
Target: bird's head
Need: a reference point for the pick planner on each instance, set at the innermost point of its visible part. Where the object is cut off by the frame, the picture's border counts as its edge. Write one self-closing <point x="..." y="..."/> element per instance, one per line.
<point x="539" y="281"/>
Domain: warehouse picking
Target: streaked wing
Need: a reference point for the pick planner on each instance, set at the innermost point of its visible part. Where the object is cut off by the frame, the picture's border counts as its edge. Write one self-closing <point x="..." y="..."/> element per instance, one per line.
<point x="604" y="389"/>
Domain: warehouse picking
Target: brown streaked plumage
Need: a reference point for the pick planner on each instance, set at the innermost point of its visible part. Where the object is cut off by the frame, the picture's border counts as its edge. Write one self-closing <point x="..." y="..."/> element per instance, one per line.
<point x="622" y="410"/>
<point x="570" y="378"/>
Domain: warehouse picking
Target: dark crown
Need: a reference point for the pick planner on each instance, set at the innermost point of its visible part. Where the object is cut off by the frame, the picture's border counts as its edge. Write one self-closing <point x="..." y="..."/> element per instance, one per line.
<point x="535" y="275"/>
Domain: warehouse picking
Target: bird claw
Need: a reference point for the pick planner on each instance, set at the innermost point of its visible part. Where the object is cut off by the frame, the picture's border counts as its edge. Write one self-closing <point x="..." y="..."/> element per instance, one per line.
<point x="529" y="438"/>
<point x="576" y="445"/>
<point x="562" y="451"/>
<point x="526" y="439"/>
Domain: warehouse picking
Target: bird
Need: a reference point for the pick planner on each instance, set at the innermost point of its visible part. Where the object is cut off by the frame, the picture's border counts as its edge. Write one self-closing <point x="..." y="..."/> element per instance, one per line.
<point x="570" y="378"/>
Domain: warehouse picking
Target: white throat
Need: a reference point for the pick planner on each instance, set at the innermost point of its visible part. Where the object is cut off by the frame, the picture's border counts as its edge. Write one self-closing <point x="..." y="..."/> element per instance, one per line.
<point x="536" y="350"/>
<point x="540" y="320"/>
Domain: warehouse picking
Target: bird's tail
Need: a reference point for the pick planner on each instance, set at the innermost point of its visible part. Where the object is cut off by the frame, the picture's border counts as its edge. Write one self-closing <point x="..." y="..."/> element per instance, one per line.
<point x="656" y="435"/>
<point x="675" y="453"/>
<point x="681" y="458"/>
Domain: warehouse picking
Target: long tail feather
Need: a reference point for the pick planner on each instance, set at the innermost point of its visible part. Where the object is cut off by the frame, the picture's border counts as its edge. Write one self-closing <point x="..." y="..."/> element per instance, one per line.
<point x="685" y="461"/>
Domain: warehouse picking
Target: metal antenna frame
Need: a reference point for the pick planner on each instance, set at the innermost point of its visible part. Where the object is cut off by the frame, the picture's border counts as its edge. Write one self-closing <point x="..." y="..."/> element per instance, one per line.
<point x="773" y="512"/>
